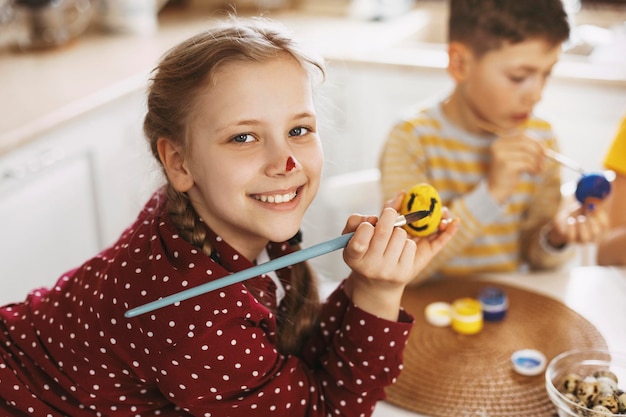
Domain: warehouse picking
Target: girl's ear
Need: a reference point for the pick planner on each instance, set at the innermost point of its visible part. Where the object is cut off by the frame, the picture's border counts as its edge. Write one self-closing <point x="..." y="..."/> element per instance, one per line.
<point x="175" y="165"/>
<point x="459" y="57"/>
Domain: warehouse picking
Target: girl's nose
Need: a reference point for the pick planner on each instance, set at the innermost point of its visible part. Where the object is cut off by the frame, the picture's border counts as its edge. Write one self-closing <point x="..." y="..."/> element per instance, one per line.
<point x="291" y="164"/>
<point x="282" y="165"/>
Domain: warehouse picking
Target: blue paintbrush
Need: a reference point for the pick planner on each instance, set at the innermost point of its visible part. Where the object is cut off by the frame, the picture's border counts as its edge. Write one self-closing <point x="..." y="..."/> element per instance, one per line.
<point x="274" y="264"/>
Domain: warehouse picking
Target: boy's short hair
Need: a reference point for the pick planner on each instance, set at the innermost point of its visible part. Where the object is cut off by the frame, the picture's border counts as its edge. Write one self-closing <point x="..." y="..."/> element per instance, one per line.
<point x="485" y="25"/>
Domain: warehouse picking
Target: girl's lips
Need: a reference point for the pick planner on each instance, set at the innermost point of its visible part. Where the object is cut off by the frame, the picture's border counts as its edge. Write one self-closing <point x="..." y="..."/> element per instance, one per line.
<point x="277" y="197"/>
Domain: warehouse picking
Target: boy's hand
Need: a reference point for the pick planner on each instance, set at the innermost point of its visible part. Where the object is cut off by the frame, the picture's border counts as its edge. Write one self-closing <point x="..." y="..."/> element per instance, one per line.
<point x="512" y="155"/>
<point x="578" y="226"/>
<point x="384" y="259"/>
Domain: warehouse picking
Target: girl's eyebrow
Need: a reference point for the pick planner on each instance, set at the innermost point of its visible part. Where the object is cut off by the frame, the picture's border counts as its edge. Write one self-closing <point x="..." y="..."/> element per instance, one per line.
<point x="256" y="122"/>
<point x="245" y="122"/>
<point x="303" y="115"/>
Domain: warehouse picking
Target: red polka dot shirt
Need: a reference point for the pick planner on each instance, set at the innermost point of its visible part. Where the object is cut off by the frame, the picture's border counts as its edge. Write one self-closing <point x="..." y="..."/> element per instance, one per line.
<point x="69" y="350"/>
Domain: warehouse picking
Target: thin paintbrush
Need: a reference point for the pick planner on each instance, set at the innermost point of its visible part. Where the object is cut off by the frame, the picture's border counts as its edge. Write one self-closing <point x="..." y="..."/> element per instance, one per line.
<point x="563" y="160"/>
<point x="278" y="263"/>
<point x="552" y="154"/>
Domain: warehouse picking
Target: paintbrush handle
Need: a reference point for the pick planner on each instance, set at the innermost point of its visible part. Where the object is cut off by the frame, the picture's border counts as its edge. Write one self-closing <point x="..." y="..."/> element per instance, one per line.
<point x="563" y="160"/>
<point x="274" y="264"/>
<point x="278" y="263"/>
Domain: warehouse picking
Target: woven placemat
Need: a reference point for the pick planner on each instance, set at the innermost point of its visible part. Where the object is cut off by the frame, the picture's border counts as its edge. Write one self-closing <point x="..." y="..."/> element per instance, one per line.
<point x="447" y="374"/>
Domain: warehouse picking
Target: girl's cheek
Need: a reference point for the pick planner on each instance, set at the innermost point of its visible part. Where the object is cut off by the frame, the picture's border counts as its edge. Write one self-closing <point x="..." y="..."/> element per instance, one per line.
<point x="313" y="158"/>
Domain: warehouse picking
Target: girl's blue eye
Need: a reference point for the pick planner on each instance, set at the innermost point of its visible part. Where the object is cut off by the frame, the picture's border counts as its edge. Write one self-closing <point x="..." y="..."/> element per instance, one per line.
<point x="298" y="131"/>
<point x="243" y="138"/>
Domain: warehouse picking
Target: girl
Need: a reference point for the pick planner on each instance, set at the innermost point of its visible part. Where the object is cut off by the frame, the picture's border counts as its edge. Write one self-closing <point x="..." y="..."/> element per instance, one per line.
<point x="231" y="119"/>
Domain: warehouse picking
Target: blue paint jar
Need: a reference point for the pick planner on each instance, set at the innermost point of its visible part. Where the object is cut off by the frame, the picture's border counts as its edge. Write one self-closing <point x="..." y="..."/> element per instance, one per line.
<point x="494" y="303"/>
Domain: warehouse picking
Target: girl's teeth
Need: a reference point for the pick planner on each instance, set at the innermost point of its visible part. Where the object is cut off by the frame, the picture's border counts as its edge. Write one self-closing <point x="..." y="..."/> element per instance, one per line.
<point x="278" y="198"/>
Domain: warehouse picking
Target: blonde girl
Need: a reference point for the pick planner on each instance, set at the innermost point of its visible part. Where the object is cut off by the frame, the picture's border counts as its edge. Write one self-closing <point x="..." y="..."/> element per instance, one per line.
<point x="231" y="119"/>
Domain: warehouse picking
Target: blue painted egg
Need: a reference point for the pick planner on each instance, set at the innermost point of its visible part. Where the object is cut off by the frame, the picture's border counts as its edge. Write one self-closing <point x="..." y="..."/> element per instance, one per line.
<point x="592" y="188"/>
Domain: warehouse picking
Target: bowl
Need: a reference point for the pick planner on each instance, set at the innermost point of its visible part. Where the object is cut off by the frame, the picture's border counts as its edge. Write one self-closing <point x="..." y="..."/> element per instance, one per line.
<point x="593" y="365"/>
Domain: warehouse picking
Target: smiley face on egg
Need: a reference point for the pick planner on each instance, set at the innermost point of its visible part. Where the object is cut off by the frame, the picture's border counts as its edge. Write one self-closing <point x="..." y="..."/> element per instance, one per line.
<point x="422" y="197"/>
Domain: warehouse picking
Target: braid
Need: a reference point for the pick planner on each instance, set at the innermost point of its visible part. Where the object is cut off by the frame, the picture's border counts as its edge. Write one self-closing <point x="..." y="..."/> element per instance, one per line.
<point x="299" y="310"/>
<point x="184" y="216"/>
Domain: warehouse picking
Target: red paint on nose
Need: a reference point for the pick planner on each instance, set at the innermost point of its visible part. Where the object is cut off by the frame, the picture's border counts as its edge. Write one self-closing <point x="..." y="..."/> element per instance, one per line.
<point x="291" y="164"/>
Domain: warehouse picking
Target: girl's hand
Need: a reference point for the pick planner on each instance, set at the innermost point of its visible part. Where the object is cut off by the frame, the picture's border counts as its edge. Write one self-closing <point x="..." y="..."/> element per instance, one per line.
<point x="384" y="260"/>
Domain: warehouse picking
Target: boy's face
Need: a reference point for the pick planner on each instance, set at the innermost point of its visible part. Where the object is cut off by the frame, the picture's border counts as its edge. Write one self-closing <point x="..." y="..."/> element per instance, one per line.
<point x="502" y="87"/>
<point x="254" y="154"/>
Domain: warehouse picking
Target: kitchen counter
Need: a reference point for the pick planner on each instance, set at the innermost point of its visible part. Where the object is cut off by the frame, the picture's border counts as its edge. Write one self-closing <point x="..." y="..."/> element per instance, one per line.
<point x="44" y="89"/>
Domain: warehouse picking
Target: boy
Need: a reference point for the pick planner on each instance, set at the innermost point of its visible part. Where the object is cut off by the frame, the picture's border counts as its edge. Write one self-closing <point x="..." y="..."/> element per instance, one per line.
<point x="482" y="147"/>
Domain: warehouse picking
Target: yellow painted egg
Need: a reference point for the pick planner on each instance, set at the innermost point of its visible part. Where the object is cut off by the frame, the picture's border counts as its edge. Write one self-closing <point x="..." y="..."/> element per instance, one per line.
<point x="422" y="197"/>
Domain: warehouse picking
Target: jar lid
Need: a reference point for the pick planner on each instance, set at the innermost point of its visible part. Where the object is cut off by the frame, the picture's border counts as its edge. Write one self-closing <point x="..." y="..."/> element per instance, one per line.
<point x="467" y="309"/>
<point x="528" y="362"/>
<point x="438" y="313"/>
<point x="493" y="299"/>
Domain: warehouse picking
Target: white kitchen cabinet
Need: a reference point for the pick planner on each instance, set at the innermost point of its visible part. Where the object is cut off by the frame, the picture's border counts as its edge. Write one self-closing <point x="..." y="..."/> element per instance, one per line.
<point x="360" y="103"/>
<point x="71" y="192"/>
<point x="124" y="169"/>
<point x="48" y="218"/>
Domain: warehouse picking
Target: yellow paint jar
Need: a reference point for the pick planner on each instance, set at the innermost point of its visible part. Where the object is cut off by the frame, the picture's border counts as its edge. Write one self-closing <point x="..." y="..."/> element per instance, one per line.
<point x="467" y="316"/>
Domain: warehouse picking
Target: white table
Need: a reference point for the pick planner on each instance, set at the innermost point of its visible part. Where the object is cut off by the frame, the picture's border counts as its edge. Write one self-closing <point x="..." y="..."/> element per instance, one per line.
<point x="596" y="293"/>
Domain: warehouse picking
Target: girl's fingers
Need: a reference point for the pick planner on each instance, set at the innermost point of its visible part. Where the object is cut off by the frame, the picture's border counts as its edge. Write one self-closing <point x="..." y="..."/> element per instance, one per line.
<point x="359" y="244"/>
<point x="355" y="220"/>
<point x="383" y="231"/>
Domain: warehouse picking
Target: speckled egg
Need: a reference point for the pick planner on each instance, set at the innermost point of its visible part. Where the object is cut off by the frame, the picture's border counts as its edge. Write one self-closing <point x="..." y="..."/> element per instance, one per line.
<point x="621" y="402"/>
<point x="608" y="401"/>
<point x="605" y="373"/>
<point x="587" y="390"/>
<point x="599" y="410"/>
<point x="607" y="385"/>
<point x="583" y="411"/>
<point x="575" y="400"/>
<point x="570" y="382"/>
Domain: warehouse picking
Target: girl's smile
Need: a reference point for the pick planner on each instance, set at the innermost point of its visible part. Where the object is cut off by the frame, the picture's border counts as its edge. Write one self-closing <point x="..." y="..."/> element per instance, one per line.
<point x="278" y="199"/>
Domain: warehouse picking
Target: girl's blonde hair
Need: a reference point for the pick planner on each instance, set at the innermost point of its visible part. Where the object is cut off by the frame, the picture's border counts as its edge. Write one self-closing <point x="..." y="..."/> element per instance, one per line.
<point x="175" y="85"/>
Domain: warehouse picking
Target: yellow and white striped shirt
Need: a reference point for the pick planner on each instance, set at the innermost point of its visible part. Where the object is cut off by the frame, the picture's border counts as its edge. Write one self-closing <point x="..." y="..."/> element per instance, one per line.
<point x="427" y="147"/>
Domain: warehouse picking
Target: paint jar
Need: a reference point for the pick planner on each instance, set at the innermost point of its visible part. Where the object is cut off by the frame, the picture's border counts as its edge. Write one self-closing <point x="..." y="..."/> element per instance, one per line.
<point x="467" y="316"/>
<point x="528" y="362"/>
<point x="438" y="314"/>
<point x="494" y="303"/>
